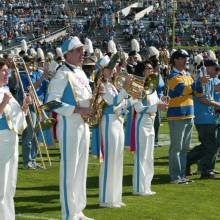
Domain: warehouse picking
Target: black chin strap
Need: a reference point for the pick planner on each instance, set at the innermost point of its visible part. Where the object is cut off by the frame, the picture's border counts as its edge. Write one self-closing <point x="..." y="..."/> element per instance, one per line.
<point x="69" y="67"/>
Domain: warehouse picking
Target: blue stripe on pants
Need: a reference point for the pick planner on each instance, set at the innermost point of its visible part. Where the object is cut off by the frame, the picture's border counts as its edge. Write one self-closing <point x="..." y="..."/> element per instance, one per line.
<point x="65" y="168"/>
<point x="138" y="151"/>
<point x="105" y="158"/>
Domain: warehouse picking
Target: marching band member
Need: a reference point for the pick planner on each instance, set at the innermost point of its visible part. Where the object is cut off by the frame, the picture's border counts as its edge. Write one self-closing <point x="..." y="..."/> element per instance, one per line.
<point x="24" y="48"/>
<point x="89" y="46"/>
<point x="111" y="170"/>
<point x="41" y="76"/>
<point x="59" y="59"/>
<point x="12" y="123"/>
<point x="143" y="158"/>
<point x="71" y="86"/>
<point x="132" y="61"/>
<point x="98" y="53"/>
<point x="135" y="46"/>
<point x="59" y="56"/>
<point x="112" y="46"/>
<point x="88" y="67"/>
<point x="153" y="57"/>
<point x="40" y="82"/>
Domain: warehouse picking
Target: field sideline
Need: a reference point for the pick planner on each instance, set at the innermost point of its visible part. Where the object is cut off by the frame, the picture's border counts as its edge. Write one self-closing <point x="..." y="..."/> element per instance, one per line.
<point x="37" y="195"/>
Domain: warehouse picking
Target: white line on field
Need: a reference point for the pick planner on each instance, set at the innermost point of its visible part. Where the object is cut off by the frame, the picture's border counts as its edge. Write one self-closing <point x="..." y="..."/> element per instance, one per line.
<point x="35" y="217"/>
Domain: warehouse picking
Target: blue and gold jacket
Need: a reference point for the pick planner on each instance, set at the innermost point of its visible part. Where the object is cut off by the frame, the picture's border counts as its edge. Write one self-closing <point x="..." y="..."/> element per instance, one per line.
<point x="182" y="87"/>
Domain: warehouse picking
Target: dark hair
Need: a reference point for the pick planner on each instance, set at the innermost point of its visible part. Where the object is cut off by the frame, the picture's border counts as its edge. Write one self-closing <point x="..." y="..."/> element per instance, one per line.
<point x="2" y="62"/>
<point x="154" y="61"/>
<point x="140" y="67"/>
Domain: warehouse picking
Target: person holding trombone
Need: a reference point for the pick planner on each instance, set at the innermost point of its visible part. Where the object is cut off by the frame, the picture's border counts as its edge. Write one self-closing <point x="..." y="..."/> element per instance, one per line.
<point x="40" y="83"/>
<point x="12" y="123"/>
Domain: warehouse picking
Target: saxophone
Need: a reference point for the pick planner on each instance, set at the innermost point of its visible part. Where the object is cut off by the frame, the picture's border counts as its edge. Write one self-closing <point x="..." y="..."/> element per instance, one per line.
<point x="96" y="103"/>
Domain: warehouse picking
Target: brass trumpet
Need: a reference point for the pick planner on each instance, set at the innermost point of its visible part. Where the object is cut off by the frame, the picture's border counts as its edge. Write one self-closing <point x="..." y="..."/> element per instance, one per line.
<point x="136" y="87"/>
<point x="150" y="84"/>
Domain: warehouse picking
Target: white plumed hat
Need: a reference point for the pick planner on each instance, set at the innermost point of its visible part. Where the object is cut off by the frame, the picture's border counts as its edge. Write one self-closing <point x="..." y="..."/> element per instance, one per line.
<point x="33" y="52"/>
<point x="104" y="61"/>
<point x="211" y="55"/>
<point x="198" y="59"/>
<point x="59" y="52"/>
<point x="153" y="51"/>
<point x="24" y="46"/>
<point x="40" y="55"/>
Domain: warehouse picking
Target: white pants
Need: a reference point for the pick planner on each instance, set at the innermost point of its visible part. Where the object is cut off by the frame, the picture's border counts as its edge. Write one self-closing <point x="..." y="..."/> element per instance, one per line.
<point x="144" y="154"/>
<point x="111" y="170"/>
<point x="74" y="137"/>
<point x="8" y="175"/>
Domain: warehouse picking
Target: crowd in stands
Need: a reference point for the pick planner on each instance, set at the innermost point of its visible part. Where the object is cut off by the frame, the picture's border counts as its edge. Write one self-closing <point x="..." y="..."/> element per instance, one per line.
<point x="27" y="19"/>
<point x="196" y="24"/>
<point x="199" y="21"/>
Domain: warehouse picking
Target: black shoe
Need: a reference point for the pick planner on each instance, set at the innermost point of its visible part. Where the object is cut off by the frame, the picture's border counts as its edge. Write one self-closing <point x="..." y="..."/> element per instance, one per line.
<point x="210" y="175"/>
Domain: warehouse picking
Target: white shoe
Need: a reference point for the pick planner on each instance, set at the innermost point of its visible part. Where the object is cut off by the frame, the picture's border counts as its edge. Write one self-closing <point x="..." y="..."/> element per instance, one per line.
<point x="104" y="205"/>
<point x="122" y="204"/>
<point x="112" y="205"/>
<point x="149" y="193"/>
<point x="145" y="193"/>
<point x="108" y="205"/>
<point x="83" y="217"/>
<point x="116" y="206"/>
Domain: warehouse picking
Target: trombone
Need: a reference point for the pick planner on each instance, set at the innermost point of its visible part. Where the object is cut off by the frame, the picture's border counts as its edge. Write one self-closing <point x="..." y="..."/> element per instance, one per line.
<point x="44" y="121"/>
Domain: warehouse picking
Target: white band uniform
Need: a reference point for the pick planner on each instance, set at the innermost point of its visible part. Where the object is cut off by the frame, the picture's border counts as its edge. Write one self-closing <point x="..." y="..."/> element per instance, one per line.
<point x="111" y="171"/>
<point x="12" y="120"/>
<point x="144" y="154"/>
<point x="72" y="89"/>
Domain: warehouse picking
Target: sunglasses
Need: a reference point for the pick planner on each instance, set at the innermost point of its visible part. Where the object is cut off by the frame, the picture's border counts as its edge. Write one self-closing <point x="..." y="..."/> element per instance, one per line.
<point x="149" y="67"/>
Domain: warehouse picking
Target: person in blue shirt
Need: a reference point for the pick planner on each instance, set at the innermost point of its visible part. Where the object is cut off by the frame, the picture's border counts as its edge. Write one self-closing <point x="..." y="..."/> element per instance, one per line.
<point x="40" y="82"/>
<point x="206" y="123"/>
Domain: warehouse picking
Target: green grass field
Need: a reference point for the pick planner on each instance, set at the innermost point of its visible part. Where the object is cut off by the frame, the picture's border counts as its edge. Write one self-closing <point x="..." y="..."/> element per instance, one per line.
<point x="37" y="195"/>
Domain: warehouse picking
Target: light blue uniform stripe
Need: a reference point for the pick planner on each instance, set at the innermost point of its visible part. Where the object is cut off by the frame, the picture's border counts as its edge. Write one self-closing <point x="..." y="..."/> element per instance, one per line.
<point x="138" y="151"/>
<point x="3" y="122"/>
<point x="115" y="101"/>
<point x="65" y="168"/>
<point x="145" y="105"/>
<point x="105" y="158"/>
